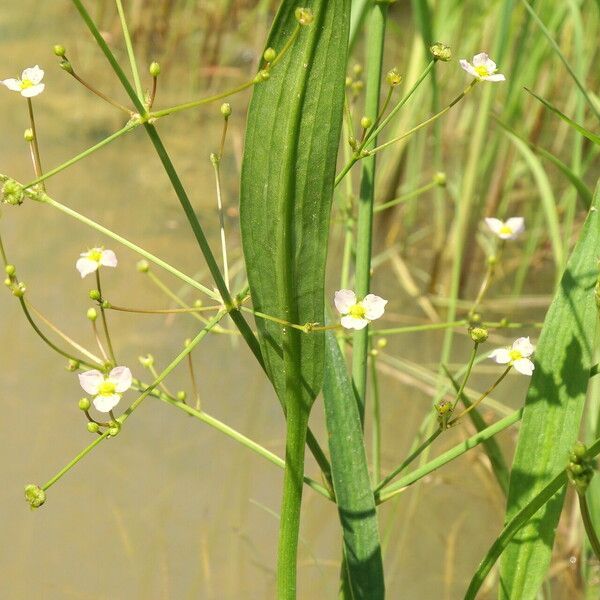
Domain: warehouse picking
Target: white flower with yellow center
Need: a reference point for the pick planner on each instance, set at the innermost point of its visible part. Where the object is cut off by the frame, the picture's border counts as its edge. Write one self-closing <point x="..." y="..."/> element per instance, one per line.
<point x="516" y="356"/>
<point x="90" y="261"/>
<point x="506" y="230"/>
<point x="357" y="315"/>
<point x="106" y="389"/>
<point x="29" y="85"/>
<point x="483" y="68"/>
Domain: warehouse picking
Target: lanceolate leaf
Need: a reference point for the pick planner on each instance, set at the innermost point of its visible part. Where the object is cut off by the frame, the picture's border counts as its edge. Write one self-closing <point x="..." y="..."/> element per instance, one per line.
<point x="552" y="414"/>
<point x="292" y="138"/>
<point x="354" y="496"/>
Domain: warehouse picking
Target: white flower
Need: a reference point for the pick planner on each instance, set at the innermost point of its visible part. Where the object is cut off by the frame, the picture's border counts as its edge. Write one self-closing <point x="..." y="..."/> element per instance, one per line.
<point x="516" y="356"/>
<point x="106" y="389"/>
<point x="92" y="259"/>
<point x="506" y="230"/>
<point x="357" y="315"/>
<point x="483" y="68"/>
<point x="29" y="85"/>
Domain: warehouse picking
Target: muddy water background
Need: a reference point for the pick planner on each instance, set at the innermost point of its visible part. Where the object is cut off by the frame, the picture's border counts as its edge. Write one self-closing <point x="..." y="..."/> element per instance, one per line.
<point x="171" y="508"/>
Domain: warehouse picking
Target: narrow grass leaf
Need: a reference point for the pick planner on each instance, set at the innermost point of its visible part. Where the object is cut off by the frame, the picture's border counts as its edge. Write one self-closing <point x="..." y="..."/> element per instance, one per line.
<point x="351" y="482"/>
<point x="552" y="414"/>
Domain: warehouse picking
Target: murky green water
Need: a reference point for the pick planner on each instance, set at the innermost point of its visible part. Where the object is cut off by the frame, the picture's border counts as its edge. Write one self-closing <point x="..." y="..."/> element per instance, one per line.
<point x="170" y="508"/>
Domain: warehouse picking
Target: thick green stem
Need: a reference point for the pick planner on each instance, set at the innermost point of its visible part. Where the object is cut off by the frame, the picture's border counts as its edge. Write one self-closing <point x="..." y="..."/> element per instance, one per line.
<point x="130" y="53"/>
<point x="376" y="35"/>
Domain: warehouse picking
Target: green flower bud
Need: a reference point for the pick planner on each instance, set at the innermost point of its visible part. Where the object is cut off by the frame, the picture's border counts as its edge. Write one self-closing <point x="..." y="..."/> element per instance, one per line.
<point x="357" y="69"/>
<point x="358" y="86"/>
<point x="181" y="396"/>
<point x="95" y="295"/>
<point x="35" y="495"/>
<point x="374" y="352"/>
<point x="10" y="270"/>
<point x="73" y="365"/>
<point x="214" y="158"/>
<point x="92" y="314"/>
<point x="12" y="192"/>
<point x="304" y="16"/>
<point x="440" y="179"/>
<point x="146" y="361"/>
<point x="93" y="427"/>
<point x="114" y="428"/>
<point x="19" y="290"/>
<point x="28" y="135"/>
<point x="187" y="342"/>
<point x="226" y="109"/>
<point x="393" y="77"/>
<point x="504" y="322"/>
<point x="263" y="75"/>
<point x="492" y="260"/>
<point x="105" y="304"/>
<point x="366" y="122"/>
<point x="441" y="52"/>
<point x="270" y="55"/>
<point x="60" y="51"/>
<point x="143" y="266"/>
<point x="443" y="408"/>
<point x="198" y="303"/>
<point x="65" y="65"/>
<point x="8" y="282"/>
<point x="479" y="334"/>
<point x="154" y="69"/>
<point x="84" y="404"/>
<point x="382" y="343"/>
<point x="475" y="319"/>
<point x="578" y="451"/>
<point x="349" y="81"/>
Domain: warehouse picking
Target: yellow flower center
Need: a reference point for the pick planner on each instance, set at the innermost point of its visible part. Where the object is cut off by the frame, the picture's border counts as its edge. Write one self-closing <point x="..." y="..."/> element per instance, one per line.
<point x="26" y="83"/>
<point x="95" y="255"/>
<point x="106" y="388"/>
<point x="515" y="355"/>
<point x="357" y="311"/>
<point x="506" y="230"/>
<point x="482" y="71"/>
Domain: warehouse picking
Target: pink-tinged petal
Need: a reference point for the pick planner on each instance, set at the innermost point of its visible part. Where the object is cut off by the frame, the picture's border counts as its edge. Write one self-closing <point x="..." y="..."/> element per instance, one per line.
<point x="495" y="77"/>
<point x="344" y="300"/>
<point x="524" y="366"/>
<point x="468" y="67"/>
<point x="85" y="266"/>
<point x="517" y="224"/>
<point x="374" y="306"/>
<point x="501" y="356"/>
<point x="90" y="381"/>
<point x="490" y="65"/>
<point x="36" y="90"/>
<point x="121" y="377"/>
<point x="12" y="84"/>
<point x="524" y="346"/>
<point x="351" y="323"/>
<point x="109" y="258"/>
<point x="105" y="404"/>
<point x="481" y="59"/>
<point x="494" y="224"/>
<point x="33" y="74"/>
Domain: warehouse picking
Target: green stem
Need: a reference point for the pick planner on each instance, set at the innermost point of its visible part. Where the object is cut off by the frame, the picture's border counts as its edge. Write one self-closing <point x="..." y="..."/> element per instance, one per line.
<point x="216" y="160"/>
<point x="130" y="52"/>
<point x="404" y="198"/>
<point x="412" y="328"/>
<point x="376" y="35"/>
<point x="467" y="375"/>
<point x="376" y="424"/>
<point x="100" y="94"/>
<point x="588" y="524"/>
<point x="111" y="351"/>
<point x="37" y="161"/>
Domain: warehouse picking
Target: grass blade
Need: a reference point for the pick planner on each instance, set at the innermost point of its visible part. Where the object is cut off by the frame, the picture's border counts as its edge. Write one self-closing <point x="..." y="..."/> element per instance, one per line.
<point x="552" y="413"/>
<point x="351" y="483"/>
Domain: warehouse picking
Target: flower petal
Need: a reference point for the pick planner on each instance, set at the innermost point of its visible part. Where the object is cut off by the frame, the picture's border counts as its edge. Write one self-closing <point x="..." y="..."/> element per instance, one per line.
<point x="374" y="306"/>
<point x="524" y="346"/>
<point x="352" y="323"/>
<point x="344" y="300"/>
<point x="517" y="224"/>
<point x="501" y="356"/>
<point x="33" y="74"/>
<point x="481" y="60"/>
<point x="494" y="224"/>
<point x="524" y="366"/>
<point x="30" y="92"/>
<point x="495" y="77"/>
<point x="12" y="84"/>
<point x="85" y="266"/>
<point x="468" y="67"/>
<point x="106" y="403"/>
<point x="121" y="377"/>
<point x="90" y="381"/>
<point x="108" y="258"/>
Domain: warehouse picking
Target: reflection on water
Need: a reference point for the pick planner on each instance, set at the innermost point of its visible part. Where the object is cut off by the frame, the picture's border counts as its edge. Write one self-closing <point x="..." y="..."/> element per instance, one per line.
<point x="171" y="508"/>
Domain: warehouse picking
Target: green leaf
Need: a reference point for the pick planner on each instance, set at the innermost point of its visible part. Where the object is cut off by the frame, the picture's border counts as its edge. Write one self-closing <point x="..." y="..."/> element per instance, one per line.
<point x="351" y="483"/>
<point x="292" y="139"/>
<point x="579" y="128"/>
<point x="552" y="413"/>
